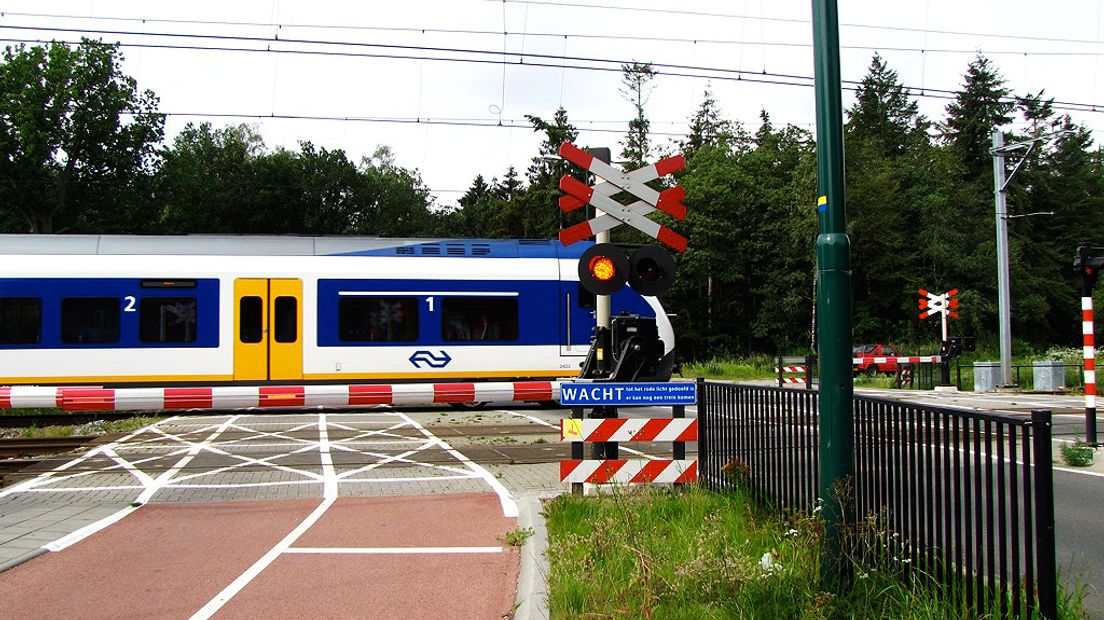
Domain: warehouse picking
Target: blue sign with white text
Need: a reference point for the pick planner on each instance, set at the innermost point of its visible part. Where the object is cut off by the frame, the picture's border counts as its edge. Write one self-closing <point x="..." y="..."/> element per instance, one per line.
<point x="629" y="394"/>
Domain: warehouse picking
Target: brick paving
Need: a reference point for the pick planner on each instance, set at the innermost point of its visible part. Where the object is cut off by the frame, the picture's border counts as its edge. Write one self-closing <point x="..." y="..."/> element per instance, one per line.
<point x="219" y="458"/>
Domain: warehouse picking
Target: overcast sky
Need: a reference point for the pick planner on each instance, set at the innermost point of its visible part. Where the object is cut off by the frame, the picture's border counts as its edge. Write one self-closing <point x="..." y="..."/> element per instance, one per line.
<point x="428" y="77"/>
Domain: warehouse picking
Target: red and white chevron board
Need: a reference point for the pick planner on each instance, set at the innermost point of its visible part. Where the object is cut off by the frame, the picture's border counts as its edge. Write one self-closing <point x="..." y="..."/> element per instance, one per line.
<point x="236" y="397"/>
<point x="625" y="429"/>
<point x="862" y="361"/>
<point x="618" y="213"/>
<point x="792" y="369"/>
<point x="793" y="379"/>
<point x="672" y="205"/>
<point x="629" y="470"/>
<point x="1090" y="351"/>
<point x="615" y="213"/>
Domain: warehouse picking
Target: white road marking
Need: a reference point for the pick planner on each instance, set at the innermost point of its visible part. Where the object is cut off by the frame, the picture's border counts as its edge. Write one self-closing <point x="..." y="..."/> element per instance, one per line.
<point x="329" y="496"/>
<point x="392" y="550"/>
<point x="509" y="506"/>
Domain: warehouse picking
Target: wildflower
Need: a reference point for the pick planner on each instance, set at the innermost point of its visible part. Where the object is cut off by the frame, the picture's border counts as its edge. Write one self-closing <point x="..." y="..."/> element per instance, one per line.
<point x="768" y="564"/>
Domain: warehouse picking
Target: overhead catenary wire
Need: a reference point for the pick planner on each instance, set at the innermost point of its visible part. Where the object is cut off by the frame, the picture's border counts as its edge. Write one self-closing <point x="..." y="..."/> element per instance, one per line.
<point x="792" y="20"/>
<point x="593" y="64"/>
<point x="582" y="35"/>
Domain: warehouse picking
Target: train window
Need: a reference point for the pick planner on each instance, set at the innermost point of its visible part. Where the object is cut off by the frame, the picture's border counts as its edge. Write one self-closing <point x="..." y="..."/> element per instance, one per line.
<point x="89" y="320"/>
<point x="377" y="319"/>
<point x="250" y="319"/>
<point x="20" y="320"/>
<point x="480" y="318"/>
<point x="285" y="321"/>
<point x="167" y="319"/>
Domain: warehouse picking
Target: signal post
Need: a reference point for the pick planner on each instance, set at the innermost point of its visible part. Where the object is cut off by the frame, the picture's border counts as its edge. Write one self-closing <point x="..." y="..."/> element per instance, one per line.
<point x="621" y="346"/>
<point x="1089" y="261"/>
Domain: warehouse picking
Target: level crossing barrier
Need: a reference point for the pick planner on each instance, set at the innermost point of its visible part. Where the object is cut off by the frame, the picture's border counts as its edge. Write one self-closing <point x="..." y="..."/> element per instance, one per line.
<point x="788" y="366"/>
<point x="237" y="397"/>
<point x="605" y="431"/>
<point x="951" y="495"/>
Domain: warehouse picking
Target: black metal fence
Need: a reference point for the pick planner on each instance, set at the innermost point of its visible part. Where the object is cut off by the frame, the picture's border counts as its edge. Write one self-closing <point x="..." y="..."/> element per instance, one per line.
<point x="951" y="494"/>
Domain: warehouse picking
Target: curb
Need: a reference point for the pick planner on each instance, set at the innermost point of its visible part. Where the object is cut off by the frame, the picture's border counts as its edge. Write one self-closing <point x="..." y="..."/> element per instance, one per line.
<point x="30" y="555"/>
<point x="531" y="602"/>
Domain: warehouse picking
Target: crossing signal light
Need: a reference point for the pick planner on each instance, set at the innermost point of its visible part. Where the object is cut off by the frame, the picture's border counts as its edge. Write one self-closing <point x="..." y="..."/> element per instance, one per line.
<point x="604" y="268"/>
<point x="651" y="270"/>
<point x="1089" y="260"/>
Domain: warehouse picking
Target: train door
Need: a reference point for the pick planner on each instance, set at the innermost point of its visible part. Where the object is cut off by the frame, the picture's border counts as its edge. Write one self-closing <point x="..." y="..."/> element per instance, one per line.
<point x="268" y="334"/>
<point x="576" y="319"/>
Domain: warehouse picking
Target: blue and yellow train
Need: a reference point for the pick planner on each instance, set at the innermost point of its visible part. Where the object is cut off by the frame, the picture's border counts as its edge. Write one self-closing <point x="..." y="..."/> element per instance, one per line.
<point x="198" y="309"/>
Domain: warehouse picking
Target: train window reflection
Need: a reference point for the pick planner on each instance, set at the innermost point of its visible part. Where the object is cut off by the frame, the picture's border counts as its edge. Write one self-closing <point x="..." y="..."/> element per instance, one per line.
<point x="377" y="319"/>
<point x="285" y="322"/>
<point x="250" y="319"/>
<point x="89" y="320"/>
<point x="167" y="319"/>
<point x="480" y="318"/>
<point x="20" y="320"/>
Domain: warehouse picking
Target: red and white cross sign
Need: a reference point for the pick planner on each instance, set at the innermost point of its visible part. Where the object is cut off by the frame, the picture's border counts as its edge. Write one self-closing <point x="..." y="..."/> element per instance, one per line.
<point x="614" y="213"/>
<point x="939" y="304"/>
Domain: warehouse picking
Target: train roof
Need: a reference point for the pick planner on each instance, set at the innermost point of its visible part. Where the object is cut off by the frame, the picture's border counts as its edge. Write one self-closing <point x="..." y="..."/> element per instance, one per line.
<point x="282" y="245"/>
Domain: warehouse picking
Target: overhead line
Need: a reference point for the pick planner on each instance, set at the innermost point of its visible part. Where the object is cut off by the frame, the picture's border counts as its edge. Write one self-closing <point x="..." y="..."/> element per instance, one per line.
<point x="582" y="5"/>
<point x="718" y="73"/>
<point x="557" y="35"/>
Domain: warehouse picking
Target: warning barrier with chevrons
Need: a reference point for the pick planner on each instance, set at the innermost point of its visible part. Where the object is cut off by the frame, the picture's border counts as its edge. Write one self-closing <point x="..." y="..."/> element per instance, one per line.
<point x="862" y="361"/>
<point x="629" y="471"/>
<point x="236" y="397"/>
<point x="626" y="429"/>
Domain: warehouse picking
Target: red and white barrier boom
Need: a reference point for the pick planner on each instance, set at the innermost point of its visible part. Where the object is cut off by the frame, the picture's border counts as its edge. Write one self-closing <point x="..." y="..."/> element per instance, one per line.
<point x="239" y="397"/>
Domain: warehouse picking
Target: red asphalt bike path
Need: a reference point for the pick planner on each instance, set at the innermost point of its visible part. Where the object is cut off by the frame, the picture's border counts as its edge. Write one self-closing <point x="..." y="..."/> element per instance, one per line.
<point x="420" y="556"/>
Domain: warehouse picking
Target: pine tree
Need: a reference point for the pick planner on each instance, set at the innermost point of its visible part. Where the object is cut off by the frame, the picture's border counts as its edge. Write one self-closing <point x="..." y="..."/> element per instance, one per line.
<point x="981" y="106"/>
<point x="708" y="128"/>
<point x="547" y="167"/>
<point x="888" y="185"/>
<point x="635" y="77"/>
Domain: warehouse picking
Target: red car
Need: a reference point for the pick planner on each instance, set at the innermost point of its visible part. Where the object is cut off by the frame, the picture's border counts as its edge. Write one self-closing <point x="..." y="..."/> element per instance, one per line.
<point x="872" y="366"/>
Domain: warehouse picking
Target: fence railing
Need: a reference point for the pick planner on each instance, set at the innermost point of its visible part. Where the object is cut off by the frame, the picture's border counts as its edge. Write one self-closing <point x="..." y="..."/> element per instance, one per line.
<point x="953" y="494"/>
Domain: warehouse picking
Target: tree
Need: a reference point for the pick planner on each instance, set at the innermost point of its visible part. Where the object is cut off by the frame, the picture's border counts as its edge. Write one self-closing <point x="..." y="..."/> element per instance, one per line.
<point x="889" y="185"/>
<point x="73" y="128"/>
<point x="547" y="166"/>
<point x="980" y="107"/>
<point x="207" y="180"/>
<point x="635" y="79"/>
<point x="708" y="128"/>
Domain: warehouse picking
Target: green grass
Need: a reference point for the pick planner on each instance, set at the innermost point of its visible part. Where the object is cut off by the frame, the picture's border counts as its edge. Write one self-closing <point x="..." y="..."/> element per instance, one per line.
<point x="95" y="428"/>
<point x="734" y="369"/>
<point x="693" y="554"/>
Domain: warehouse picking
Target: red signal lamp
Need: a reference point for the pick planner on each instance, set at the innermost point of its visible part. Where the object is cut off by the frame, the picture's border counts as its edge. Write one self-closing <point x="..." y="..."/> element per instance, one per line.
<point x="603" y="269"/>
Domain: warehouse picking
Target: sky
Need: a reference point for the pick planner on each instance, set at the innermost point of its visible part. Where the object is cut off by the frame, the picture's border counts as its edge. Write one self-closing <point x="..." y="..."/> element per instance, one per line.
<point x="446" y="84"/>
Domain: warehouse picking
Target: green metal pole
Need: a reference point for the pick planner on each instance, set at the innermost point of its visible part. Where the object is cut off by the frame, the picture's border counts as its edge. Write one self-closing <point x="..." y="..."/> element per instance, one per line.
<point x="833" y="250"/>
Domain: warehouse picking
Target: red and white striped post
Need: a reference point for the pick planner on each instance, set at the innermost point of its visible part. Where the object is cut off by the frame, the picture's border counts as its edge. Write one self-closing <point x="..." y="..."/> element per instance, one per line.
<point x="1090" y="369"/>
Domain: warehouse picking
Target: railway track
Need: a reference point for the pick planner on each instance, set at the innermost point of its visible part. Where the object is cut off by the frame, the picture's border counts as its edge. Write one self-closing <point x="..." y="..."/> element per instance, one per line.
<point x="18" y="448"/>
<point x="61" y="419"/>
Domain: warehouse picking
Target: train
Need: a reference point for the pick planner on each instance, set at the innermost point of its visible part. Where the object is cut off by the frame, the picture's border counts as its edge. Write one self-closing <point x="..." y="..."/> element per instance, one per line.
<point x="123" y="310"/>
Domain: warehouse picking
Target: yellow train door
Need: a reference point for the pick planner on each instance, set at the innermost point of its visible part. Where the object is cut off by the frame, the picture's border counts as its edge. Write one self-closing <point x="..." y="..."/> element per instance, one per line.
<point x="268" y="338"/>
